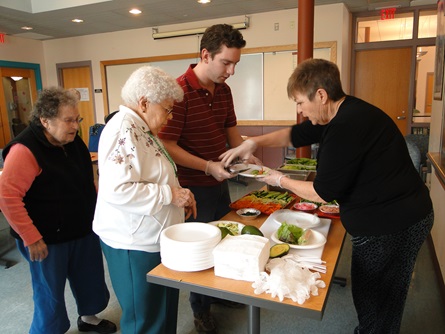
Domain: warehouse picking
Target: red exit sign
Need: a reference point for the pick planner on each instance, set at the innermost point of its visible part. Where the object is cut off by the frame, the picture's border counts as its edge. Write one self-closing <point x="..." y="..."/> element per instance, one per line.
<point x="387" y="13"/>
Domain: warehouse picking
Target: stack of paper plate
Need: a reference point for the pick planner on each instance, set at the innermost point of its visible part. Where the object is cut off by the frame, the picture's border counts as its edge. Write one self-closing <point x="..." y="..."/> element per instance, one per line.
<point x="189" y="246"/>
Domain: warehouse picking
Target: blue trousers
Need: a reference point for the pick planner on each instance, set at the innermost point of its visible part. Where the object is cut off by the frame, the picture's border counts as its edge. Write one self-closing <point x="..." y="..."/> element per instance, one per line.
<point x="212" y="204"/>
<point x="80" y="261"/>
<point x="146" y="308"/>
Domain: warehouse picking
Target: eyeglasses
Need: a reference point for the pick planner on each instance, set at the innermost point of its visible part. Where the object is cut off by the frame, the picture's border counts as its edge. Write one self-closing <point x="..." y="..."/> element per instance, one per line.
<point x="168" y="110"/>
<point x="73" y="121"/>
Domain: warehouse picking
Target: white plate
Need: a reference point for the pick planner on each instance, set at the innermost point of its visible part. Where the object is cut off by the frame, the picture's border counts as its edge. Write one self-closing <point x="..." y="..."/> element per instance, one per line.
<point x="187" y="267"/>
<point x="216" y="222"/>
<point x="235" y="169"/>
<point x="315" y="240"/>
<point x="301" y="219"/>
<point x="192" y="235"/>
<point x="248" y="173"/>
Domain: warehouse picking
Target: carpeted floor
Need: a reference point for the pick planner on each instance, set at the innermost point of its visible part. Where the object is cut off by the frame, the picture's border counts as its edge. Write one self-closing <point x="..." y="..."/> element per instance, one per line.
<point x="424" y="312"/>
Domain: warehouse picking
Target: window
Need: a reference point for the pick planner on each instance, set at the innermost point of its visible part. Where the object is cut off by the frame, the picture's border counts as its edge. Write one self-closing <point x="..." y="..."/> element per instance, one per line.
<point x="374" y="29"/>
<point x="427" y="23"/>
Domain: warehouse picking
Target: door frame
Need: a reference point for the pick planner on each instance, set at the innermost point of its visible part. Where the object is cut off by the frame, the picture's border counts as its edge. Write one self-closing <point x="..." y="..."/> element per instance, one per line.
<point x="86" y="63"/>
<point x="414" y="43"/>
<point x="27" y="66"/>
<point x="35" y="68"/>
<point x="60" y="67"/>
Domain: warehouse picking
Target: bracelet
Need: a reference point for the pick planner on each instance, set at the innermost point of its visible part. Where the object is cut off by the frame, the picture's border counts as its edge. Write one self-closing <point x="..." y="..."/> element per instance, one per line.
<point x="279" y="180"/>
<point x="207" y="168"/>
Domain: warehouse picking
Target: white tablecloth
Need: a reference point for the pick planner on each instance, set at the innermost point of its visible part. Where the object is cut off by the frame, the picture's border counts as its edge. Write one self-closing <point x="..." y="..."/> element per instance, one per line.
<point x="271" y="225"/>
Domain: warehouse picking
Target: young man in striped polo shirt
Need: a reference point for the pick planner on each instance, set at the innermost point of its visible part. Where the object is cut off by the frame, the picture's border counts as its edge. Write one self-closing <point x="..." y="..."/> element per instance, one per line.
<point x="203" y="125"/>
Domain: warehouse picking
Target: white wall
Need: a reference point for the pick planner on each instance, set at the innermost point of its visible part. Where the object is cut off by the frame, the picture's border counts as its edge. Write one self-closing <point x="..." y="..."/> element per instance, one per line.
<point x="24" y="50"/>
<point x="437" y="192"/>
<point x="331" y="24"/>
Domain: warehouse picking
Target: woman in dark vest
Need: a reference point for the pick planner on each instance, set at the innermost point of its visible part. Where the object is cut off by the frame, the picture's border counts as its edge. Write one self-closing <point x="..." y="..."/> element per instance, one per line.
<point x="48" y="196"/>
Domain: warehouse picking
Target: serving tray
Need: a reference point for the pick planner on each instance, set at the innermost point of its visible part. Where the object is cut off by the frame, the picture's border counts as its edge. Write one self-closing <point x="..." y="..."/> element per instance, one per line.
<point x="264" y="200"/>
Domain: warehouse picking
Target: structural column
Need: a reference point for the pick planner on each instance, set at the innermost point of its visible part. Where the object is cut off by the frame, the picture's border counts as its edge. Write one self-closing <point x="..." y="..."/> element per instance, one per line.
<point x="305" y="50"/>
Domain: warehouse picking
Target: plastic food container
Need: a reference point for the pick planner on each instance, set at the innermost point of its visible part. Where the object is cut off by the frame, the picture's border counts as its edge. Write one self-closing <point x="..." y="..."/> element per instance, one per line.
<point x="306" y="207"/>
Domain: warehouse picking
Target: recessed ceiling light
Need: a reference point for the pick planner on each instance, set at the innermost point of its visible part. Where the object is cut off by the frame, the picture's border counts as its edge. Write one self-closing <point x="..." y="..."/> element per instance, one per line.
<point x="27" y="28"/>
<point x="204" y="1"/>
<point x="135" y="11"/>
<point x="77" y="20"/>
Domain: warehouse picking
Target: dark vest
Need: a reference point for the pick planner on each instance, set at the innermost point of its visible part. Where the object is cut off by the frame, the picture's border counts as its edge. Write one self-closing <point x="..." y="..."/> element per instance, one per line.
<point x="62" y="199"/>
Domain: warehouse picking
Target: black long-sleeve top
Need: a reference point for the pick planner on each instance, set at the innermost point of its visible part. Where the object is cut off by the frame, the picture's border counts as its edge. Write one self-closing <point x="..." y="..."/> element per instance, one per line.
<point x="364" y="164"/>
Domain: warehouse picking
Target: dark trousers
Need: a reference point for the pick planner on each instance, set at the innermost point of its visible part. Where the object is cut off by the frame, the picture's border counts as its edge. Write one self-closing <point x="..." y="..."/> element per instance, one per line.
<point x="80" y="261"/>
<point x="381" y="272"/>
<point x="212" y="204"/>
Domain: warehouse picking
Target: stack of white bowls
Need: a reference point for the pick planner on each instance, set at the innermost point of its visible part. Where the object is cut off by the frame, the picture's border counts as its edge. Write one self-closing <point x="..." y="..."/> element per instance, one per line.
<point x="189" y="246"/>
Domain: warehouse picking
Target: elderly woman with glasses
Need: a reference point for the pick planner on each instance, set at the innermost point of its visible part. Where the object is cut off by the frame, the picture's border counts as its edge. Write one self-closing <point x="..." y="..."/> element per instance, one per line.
<point x="139" y="196"/>
<point x="48" y="196"/>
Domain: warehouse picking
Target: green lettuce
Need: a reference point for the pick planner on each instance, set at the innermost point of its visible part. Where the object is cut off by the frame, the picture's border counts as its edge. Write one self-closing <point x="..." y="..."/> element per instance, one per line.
<point x="289" y="233"/>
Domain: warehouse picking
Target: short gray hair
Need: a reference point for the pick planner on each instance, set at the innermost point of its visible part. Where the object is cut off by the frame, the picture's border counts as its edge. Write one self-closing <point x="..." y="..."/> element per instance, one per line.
<point x="49" y="102"/>
<point x="153" y="84"/>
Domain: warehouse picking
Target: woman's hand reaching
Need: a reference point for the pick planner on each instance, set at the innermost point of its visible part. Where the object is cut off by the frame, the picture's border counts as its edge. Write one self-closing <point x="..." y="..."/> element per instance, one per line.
<point x="272" y="177"/>
<point x="184" y="198"/>
<point x="242" y="152"/>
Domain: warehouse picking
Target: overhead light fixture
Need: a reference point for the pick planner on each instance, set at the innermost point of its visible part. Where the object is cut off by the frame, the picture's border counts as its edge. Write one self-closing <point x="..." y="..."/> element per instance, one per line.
<point x="27" y="28"/>
<point x="378" y="5"/>
<point x="135" y="11"/>
<point x="196" y="31"/>
<point x="16" y="78"/>
<point x="420" y="53"/>
<point x="204" y="1"/>
<point x="77" y="20"/>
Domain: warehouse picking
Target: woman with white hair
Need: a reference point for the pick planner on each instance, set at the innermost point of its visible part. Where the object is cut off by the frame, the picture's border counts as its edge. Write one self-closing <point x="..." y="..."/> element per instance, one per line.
<point x="139" y="196"/>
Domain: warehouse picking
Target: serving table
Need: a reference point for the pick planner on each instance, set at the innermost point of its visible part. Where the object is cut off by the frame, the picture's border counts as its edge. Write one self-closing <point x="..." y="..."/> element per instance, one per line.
<point x="205" y="282"/>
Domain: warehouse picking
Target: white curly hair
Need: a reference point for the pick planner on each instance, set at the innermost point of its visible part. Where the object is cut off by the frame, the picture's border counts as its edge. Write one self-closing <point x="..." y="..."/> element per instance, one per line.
<point x="153" y="84"/>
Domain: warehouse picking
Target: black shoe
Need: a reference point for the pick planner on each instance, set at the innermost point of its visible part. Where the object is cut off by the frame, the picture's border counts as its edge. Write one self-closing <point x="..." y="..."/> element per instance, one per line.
<point x="103" y="327"/>
<point x="204" y="323"/>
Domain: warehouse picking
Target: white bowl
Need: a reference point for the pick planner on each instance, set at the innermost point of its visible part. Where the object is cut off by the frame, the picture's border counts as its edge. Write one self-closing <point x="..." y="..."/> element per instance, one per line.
<point x="301" y="219"/>
<point x="248" y="213"/>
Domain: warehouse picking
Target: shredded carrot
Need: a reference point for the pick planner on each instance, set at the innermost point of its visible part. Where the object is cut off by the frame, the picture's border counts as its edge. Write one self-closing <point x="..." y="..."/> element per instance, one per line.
<point x="265" y="205"/>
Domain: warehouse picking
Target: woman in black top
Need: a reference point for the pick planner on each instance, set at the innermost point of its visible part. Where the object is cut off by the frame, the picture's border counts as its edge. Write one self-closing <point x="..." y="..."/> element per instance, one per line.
<point x="364" y="164"/>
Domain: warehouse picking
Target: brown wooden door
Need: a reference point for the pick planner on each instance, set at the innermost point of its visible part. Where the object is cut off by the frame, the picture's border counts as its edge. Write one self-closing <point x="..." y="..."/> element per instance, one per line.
<point x="382" y="79"/>
<point x="17" y="98"/>
<point x="429" y="92"/>
<point x="80" y="78"/>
